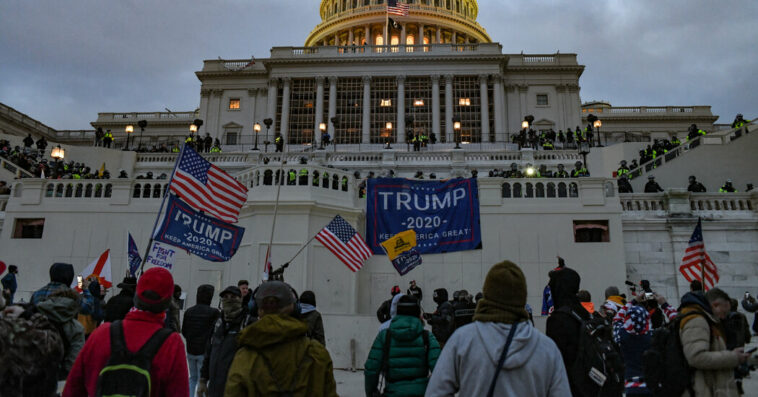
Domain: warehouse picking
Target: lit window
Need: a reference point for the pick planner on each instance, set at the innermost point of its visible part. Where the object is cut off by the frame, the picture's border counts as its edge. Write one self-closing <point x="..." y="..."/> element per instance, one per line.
<point x="464" y="102"/>
<point x="395" y="40"/>
<point x="418" y="102"/>
<point x="410" y="40"/>
<point x="542" y="100"/>
<point x="386" y="103"/>
<point x="234" y="104"/>
<point x="308" y="104"/>
<point x="379" y="40"/>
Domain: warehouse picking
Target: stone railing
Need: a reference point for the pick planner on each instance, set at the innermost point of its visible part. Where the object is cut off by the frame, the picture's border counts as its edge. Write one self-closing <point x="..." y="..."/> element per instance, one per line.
<point x="370" y="50"/>
<point x="102" y="117"/>
<point x="3" y="201"/>
<point x="78" y="188"/>
<point x="539" y="188"/>
<point x="304" y="176"/>
<point x="658" y="110"/>
<point x="680" y="202"/>
<point x="15" y="169"/>
<point x="149" y="189"/>
<point x="27" y="121"/>
<point x="643" y="202"/>
<point x="541" y="59"/>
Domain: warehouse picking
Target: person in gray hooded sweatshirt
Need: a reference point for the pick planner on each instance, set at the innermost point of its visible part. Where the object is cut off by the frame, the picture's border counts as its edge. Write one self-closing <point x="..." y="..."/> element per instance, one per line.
<point x="61" y="309"/>
<point x="472" y="362"/>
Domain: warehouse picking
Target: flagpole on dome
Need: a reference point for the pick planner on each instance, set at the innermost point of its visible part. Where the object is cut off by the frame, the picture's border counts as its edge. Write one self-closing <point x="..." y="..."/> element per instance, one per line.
<point x="166" y="192"/>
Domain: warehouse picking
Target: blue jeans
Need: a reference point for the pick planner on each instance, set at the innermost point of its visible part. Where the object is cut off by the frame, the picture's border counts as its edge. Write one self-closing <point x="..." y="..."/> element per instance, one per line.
<point x="195" y="364"/>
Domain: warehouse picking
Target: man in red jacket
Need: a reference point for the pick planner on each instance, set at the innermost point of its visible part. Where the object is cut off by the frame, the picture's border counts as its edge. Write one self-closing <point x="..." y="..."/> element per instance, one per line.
<point x="168" y="372"/>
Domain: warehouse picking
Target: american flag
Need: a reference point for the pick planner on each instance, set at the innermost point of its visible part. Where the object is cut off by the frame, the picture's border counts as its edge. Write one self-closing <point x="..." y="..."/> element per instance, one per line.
<point x="695" y="257"/>
<point x="396" y="8"/>
<point x="208" y="188"/>
<point x="344" y="242"/>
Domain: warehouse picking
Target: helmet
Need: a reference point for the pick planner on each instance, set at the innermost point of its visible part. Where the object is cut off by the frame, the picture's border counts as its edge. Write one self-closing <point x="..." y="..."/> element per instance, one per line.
<point x="650" y="177"/>
<point x="739" y="115"/>
<point x="514" y="166"/>
<point x="623" y="162"/>
<point x="578" y="164"/>
<point x="729" y="181"/>
<point x="560" y="166"/>
<point x="692" y="177"/>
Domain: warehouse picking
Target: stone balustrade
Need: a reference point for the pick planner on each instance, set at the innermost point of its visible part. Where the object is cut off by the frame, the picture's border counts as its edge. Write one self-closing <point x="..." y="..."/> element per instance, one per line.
<point x="3" y="201"/>
<point x="539" y="188"/>
<point x="679" y="202"/>
<point x="136" y="116"/>
<point x="78" y="188"/>
<point x="15" y="169"/>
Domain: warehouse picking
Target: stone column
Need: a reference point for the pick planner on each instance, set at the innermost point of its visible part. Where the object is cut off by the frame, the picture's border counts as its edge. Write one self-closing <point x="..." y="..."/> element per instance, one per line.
<point x="455" y="37"/>
<point x="350" y="37"/>
<point x="332" y="105"/>
<point x="385" y="35"/>
<point x="326" y="43"/>
<point x="438" y="33"/>
<point x="273" y="89"/>
<point x="367" y="34"/>
<point x="252" y="93"/>
<point x="560" y="90"/>
<point x="336" y="39"/>
<point x="400" y="131"/>
<point x="436" y="106"/>
<point x="499" y="108"/>
<point x="485" y="107"/>
<point x="522" y="90"/>
<point x="285" y="122"/>
<point x="420" y="38"/>
<point x="366" y="124"/>
<point x="449" y="107"/>
<point x="319" y="105"/>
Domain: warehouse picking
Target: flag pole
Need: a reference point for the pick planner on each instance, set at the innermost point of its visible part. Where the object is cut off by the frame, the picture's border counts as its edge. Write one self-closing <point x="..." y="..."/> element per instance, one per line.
<point x="300" y="250"/>
<point x="280" y="179"/>
<point x="163" y="204"/>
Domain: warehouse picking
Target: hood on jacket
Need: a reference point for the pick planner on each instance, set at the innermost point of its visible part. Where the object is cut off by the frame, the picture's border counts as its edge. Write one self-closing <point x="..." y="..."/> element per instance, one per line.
<point x="564" y="284"/>
<point x="205" y="294"/>
<point x="440" y="295"/>
<point x="406" y="328"/>
<point x="696" y="298"/>
<point x="522" y="347"/>
<point x="62" y="273"/>
<point x="60" y="307"/>
<point x="272" y="329"/>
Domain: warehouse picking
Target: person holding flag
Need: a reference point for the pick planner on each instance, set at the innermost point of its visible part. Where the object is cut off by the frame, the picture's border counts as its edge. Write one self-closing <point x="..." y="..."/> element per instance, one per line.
<point x="696" y="264"/>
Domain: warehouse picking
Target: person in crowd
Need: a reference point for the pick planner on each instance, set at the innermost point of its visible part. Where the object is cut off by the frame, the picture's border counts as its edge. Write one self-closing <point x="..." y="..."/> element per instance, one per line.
<point x="279" y="142"/>
<point x="107" y="139"/>
<point x="10" y="285"/>
<point x="99" y="134"/>
<point x="207" y="142"/>
<point x="463" y="308"/>
<point x="585" y="299"/>
<point x="632" y="333"/>
<point x="4" y="188"/>
<point x="499" y="352"/>
<point x="704" y="344"/>
<point x="561" y="173"/>
<point x="383" y="313"/>
<point x="90" y="318"/>
<point x="695" y="186"/>
<point x="579" y="170"/>
<point x="750" y="305"/>
<point x="222" y="344"/>
<point x="514" y="172"/>
<point x="312" y="317"/>
<point x="613" y="302"/>
<point x="118" y="306"/>
<point x="198" y="324"/>
<point x="442" y="318"/>
<point x="404" y="353"/>
<point x="633" y="166"/>
<point x="415" y="291"/>
<point x="562" y="327"/>
<point x="737" y="331"/>
<point x="728" y="187"/>
<point x="168" y="369"/>
<point x="652" y="186"/>
<point x="749" y="187"/>
<point x="172" y="316"/>
<point x="28" y="141"/>
<point x="62" y="276"/>
<point x="244" y="287"/>
<point x="739" y="121"/>
<point x="393" y="311"/>
<point x="623" y="169"/>
<point x="61" y="309"/>
<point x="277" y="341"/>
<point x="624" y="186"/>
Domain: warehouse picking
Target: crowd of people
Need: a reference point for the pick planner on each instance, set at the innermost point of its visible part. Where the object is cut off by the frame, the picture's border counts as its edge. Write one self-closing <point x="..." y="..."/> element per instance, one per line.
<point x="34" y="161"/>
<point x="542" y="172"/>
<point x="652" y="186"/>
<point x="270" y="341"/>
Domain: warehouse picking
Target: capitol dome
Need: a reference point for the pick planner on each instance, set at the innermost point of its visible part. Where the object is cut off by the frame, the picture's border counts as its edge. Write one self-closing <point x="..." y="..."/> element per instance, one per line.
<point x="362" y="22"/>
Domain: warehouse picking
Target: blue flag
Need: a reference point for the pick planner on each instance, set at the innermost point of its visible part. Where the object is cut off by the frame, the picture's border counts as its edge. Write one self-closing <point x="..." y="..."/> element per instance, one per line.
<point x="133" y="256"/>
<point x="202" y="235"/>
<point x="406" y="261"/>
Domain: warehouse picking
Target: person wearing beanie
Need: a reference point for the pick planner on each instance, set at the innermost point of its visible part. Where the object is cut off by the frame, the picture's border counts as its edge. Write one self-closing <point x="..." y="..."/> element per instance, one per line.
<point x="277" y="340"/>
<point x="408" y="351"/>
<point x="118" y="306"/>
<point x="197" y="327"/>
<point x="168" y="370"/>
<point x="473" y="361"/>
<point x="9" y="283"/>
<point x="383" y="313"/>
<point x="62" y="277"/>
<point x="442" y="318"/>
<point x="312" y="317"/>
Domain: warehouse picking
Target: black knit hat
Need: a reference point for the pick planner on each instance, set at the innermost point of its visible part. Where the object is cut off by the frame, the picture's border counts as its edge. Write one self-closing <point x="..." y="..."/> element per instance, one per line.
<point x="308" y="297"/>
<point x="62" y="273"/>
<point x="407" y="305"/>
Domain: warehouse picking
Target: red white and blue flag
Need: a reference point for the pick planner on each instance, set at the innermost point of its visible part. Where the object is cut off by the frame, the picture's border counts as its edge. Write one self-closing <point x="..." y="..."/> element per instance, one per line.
<point x="344" y="242"/>
<point x="395" y="7"/>
<point x="208" y="188"/>
<point x="696" y="263"/>
<point x="133" y="256"/>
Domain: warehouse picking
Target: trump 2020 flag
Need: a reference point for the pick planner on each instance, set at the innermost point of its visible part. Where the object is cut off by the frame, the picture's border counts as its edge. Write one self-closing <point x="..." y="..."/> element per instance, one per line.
<point x="208" y="188"/>
<point x="344" y="242"/>
<point x="133" y="256"/>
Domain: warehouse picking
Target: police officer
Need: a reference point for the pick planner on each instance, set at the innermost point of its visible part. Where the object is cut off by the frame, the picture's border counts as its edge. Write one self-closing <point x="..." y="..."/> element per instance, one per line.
<point x="623" y="169"/>
<point x="292" y="177"/>
<point x="634" y="165"/>
<point x="561" y="173"/>
<point x="695" y="186"/>
<point x="675" y="141"/>
<point x="279" y="142"/>
<point x="107" y="139"/>
<point x="727" y="188"/>
<point x="739" y="121"/>
<point x="216" y="148"/>
<point x="544" y="173"/>
<point x="514" y="172"/>
<point x="463" y="308"/>
<point x="652" y="186"/>
<point x="624" y="185"/>
<point x="579" y="170"/>
<point x="303" y="176"/>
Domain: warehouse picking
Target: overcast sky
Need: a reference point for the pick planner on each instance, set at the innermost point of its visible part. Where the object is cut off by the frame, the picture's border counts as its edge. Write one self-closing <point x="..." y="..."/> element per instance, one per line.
<point x="62" y="62"/>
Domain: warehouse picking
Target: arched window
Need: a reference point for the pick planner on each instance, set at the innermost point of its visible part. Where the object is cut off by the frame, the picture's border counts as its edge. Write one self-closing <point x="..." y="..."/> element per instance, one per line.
<point x="69" y="190"/>
<point x="540" y="190"/>
<point x="88" y="190"/>
<point x="98" y="190"/>
<point x="506" y="190"/>
<point x="315" y="178"/>
<point x="137" y="191"/>
<point x="146" y="191"/>
<point x="108" y="190"/>
<point x="49" y="190"/>
<point x="79" y="190"/>
<point x="517" y="190"/>
<point x="335" y="182"/>
<point x="562" y="190"/>
<point x="157" y="191"/>
<point x="268" y="177"/>
<point x="529" y="190"/>
<point x="573" y="190"/>
<point x="551" y="190"/>
<point x="59" y="190"/>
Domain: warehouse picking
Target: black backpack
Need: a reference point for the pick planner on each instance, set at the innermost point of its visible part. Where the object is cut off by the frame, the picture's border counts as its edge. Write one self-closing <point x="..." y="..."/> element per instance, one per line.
<point x="127" y="373"/>
<point x="665" y="367"/>
<point x="599" y="367"/>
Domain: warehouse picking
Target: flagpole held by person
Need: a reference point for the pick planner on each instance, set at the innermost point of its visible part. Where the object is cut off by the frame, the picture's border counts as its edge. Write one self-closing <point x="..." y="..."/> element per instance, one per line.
<point x="696" y="264"/>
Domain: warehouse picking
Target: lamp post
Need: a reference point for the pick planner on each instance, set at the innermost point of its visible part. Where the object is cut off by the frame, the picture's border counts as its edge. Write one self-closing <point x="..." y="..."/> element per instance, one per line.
<point x="388" y="127"/>
<point x="193" y="130"/>
<point x="322" y="128"/>
<point x="597" y="124"/>
<point x="457" y="129"/>
<point x="268" y="123"/>
<point x="257" y="130"/>
<point x="58" y="153"/>
<point x="129" y="129"/>
<point x="142" y="124"/>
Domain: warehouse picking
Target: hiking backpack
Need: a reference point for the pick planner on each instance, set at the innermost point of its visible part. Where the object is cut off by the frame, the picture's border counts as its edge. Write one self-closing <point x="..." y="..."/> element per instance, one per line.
<point x="599" y="368"/>
<point x="127" y="373"/>
<point x="665" y="367"/>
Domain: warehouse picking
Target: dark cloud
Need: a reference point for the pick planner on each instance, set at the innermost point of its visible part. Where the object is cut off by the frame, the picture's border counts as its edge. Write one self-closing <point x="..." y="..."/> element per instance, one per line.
<point x="64" y="61"/>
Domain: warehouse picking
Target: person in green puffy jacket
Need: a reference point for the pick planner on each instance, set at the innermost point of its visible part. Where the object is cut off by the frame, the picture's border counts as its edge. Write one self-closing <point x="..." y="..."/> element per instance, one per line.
<point x="411" y="353"/>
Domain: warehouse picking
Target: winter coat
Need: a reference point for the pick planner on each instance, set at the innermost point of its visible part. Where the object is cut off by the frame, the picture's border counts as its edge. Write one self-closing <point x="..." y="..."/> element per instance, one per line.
<point x="62" y="312"/>
<point x="533" y="367"/>
<point x="219" y="353"/>
<point x="119" y="305"/>
<point x="172" y="316"/>
<point x="442" y="322"/>
<point x="737" y="330"/>
<point x="705" y="350"/>
<point x="315" y="325"/>
<point x="383" y="313"/>
<point x="632" y="348"/>
<point x="168" y="372"/>
<point x="408" y="364"/>
<point x="199" y="321"/>
<point x="300" y="364"/>
<point x="9" y="283"/>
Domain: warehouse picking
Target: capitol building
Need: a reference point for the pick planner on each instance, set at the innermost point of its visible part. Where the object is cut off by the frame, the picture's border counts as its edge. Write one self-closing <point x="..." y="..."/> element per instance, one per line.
<point x="373" y="85"/>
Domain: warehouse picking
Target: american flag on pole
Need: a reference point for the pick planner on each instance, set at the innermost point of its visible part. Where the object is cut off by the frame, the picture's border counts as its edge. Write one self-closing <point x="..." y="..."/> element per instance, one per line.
<point x="396" y="8"/>
<point x="344" y="242"/>
<point x="695" y="258"/>
<point x="208" y="188"/>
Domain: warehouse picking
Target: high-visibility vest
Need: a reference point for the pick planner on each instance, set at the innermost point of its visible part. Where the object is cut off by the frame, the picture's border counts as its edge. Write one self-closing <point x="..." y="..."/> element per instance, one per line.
<point x="292" y="175"/>
<point x="175" y="149"/>
<point x="108" y="135"/>
<point x="215" y="149"/>
<point x="278" y="140"/>
<point x="304" y="172"/>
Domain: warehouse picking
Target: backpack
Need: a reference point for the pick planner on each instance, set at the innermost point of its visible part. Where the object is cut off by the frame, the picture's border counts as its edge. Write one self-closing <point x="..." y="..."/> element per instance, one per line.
<point x="127" y="373"/>
<point x="599" y="368"/>
<point x="665" y="367"/>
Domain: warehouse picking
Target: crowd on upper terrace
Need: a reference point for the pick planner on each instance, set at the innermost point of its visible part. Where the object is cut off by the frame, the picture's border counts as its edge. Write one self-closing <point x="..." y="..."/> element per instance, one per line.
<point x="32" y="159"/>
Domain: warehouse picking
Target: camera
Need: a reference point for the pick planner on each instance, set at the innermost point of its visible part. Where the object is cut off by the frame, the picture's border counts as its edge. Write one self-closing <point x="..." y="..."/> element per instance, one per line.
<point x="649" y="296"/>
